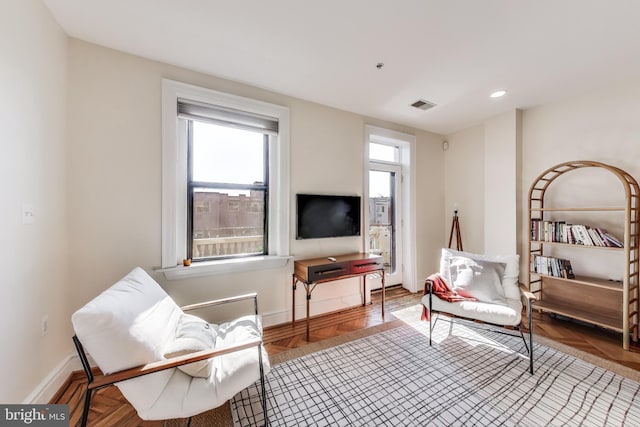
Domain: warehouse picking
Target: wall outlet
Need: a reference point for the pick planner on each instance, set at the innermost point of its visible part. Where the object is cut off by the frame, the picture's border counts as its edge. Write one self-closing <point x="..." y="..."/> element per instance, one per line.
<point x="44" y="325"/>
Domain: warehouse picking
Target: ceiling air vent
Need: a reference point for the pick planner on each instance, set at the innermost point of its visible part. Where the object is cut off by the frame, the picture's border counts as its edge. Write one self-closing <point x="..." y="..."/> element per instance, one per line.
<point x="423" y="105"/>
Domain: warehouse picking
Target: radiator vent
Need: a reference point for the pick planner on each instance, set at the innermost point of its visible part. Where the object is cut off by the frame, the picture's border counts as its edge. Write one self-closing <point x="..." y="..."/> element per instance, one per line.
<point x="423" y="105"/>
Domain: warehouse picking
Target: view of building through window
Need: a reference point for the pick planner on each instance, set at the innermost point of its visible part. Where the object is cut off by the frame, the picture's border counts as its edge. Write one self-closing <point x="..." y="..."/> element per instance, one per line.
<point x="384" y="177"/>
<point x="226" y="224"/>
<point x="381" y="215"/>
<point x="228" y="172"/>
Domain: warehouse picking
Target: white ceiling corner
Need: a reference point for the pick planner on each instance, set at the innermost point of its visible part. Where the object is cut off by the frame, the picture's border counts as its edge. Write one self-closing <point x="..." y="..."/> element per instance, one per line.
<point x="452" y="53"/>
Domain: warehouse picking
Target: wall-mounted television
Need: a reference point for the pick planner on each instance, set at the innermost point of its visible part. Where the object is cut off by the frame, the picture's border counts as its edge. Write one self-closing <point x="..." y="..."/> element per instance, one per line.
<point x="319" y="216"/>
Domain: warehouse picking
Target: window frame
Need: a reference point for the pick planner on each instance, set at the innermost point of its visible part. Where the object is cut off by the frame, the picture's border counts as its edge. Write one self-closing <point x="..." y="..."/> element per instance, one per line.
<point x="174" y="184"/>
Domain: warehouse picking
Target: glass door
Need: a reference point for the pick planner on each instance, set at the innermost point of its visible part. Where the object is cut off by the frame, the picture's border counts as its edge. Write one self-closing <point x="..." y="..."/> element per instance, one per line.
<point x="384" y="218"/>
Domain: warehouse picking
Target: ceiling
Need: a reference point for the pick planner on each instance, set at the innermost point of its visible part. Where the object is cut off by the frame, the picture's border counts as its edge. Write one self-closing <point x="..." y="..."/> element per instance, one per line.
<point x="453" y="53"/>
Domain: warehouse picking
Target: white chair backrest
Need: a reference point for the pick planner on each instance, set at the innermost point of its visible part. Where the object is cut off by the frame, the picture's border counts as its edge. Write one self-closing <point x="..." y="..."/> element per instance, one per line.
<point x="128" y="324"/>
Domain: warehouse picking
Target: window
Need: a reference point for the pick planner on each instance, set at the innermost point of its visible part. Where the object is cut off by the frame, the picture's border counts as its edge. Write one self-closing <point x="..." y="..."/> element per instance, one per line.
<point x="384" y="152"/>
<point x="225" y="181"/>
<point x="227" y="171"/>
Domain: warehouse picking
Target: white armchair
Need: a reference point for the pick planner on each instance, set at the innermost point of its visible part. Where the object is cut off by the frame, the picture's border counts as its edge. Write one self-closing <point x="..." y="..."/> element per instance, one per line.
<point x="167" y="364"/>
<point x="479" y="287"/>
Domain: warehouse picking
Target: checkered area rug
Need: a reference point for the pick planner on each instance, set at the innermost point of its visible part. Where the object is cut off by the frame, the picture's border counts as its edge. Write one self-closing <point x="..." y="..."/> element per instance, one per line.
<point x="471" y="375"/>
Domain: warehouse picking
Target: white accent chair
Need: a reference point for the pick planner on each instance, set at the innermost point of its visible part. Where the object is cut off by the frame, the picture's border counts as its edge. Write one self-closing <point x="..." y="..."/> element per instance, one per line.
<point x="167" y="364"/>
<point x="492" y="281"/>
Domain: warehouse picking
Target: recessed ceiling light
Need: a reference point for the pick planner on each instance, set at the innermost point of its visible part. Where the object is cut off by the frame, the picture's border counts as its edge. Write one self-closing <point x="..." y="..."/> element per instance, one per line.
<point x="498" y="94"/>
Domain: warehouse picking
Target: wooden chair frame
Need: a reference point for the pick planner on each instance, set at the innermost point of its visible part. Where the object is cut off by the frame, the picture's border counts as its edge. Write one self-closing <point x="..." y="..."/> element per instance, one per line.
<point x="98" y="381"/>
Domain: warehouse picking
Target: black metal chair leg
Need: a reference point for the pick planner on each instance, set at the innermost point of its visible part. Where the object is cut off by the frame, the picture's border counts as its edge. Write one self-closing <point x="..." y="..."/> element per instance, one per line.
<point x="530" y="338"/>
<point x="87" y="370"/>
<point x="85" y="410"/>
<point x="430" y="320"/>
<point x="263" y="387"/>
<point x="524" y="341"/>
<point x="430" y="312"/>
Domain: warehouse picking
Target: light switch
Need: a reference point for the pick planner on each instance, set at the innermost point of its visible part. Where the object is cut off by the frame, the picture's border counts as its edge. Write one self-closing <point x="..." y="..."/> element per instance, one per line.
<point x="27" y="214"/>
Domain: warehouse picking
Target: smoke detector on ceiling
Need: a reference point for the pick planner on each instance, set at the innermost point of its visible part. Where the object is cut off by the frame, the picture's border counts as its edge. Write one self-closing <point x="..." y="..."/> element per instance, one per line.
<point x="423" y="104"/>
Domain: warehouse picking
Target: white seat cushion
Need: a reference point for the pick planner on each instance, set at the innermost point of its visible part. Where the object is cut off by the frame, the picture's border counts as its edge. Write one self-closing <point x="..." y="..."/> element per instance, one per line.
<point x="509" y="314"/>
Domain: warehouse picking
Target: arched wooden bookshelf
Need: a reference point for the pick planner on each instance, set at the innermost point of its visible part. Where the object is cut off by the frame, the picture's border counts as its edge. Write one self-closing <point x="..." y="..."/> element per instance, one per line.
<point x="598" y="301"/>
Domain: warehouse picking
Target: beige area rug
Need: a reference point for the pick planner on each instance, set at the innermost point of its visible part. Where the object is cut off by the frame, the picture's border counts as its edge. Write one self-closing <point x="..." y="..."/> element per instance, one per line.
<point x="411" y="315"/>
<point x="222" y="416"/>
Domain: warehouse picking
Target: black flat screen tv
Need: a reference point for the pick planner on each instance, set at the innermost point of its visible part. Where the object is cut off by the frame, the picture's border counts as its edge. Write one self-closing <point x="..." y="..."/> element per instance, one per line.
<point x="319" y="216"/>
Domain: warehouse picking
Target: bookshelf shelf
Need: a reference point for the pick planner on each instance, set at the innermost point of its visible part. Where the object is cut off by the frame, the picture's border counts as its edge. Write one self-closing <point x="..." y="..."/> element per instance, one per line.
<point x="572" y="245"/>
<point x="589" y="281"/>
<point x="608" y="320"/>
<point x="592" y="209"/>
<point x="605" y="303"/>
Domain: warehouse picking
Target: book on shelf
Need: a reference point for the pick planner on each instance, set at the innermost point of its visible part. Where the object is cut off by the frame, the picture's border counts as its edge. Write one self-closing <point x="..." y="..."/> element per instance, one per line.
<point x="595" y="237"/>
<point x="571" y="237"/>
<point x="575" y="234"/>
<point x="567" y="270"/>
<point x="612" y="241"/>
<point x="582" y="235"/>
<point x="552" y="266"/>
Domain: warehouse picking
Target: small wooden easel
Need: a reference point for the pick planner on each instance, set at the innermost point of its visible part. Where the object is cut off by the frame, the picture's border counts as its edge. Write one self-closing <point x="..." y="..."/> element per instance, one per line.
<point x="455" y="225"/>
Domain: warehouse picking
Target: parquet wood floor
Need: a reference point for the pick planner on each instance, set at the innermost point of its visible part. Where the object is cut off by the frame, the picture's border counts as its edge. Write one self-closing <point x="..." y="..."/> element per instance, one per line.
<point x="109" y="408"/>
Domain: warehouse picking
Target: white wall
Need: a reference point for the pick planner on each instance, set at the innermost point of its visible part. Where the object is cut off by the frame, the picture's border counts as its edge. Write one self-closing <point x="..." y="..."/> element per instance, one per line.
<point x="483" y="180"/>
<point x="464" y="188"/>
<point x="33" y="166"/>
<point x="501" y="183"/>
<point x="430" y="199"/>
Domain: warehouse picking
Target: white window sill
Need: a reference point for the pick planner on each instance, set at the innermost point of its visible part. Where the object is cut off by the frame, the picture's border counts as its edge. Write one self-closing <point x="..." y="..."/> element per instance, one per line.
<point x="237" y="265"/>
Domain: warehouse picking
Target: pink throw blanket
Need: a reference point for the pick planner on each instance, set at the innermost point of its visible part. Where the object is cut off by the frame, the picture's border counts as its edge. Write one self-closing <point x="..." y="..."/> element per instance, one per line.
<point x="441" y="289"/>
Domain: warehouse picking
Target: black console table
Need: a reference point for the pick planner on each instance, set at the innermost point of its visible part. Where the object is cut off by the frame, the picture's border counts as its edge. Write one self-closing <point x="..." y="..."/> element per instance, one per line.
<point x="311" y="272"/>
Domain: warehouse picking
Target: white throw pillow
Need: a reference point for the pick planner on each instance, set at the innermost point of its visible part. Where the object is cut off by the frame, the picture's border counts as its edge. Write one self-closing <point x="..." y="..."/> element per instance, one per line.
<point x="193" y="334"/>
<point x="478" y="279"/>
<point x="509" y="278"/>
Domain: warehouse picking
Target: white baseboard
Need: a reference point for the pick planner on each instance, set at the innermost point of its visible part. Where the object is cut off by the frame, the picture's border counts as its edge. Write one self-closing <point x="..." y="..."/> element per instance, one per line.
<point x="49" y="386"/>
<point x="276" y="318"/>
<point x="318" y="307"/>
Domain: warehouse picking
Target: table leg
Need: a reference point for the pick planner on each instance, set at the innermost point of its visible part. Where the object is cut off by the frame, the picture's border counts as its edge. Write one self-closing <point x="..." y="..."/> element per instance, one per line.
<point x="364" y="290"/>
<point x="308" y="301"/>
<point x="382" y="307"/>
<point x="293" y="301"/>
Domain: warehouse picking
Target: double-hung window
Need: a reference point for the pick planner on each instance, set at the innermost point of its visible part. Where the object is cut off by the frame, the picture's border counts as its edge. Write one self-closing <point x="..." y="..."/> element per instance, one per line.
<point x="225" y="180"/>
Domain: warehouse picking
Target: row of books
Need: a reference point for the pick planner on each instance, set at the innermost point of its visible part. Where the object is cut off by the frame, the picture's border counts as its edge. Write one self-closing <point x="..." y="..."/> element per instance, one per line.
<point x="576" y="234"/>
<point x="551" y="266"/>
